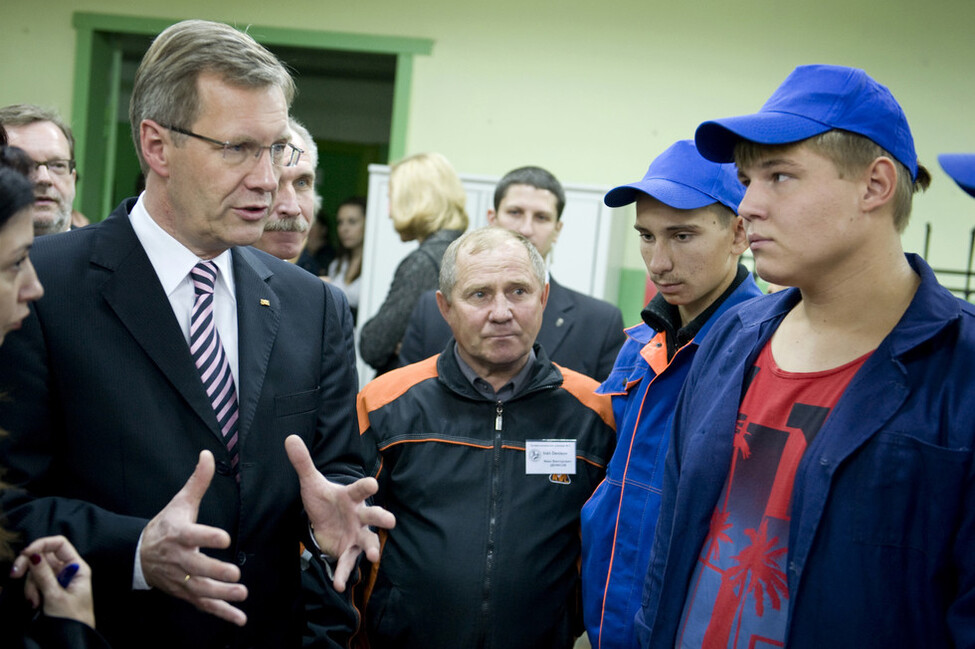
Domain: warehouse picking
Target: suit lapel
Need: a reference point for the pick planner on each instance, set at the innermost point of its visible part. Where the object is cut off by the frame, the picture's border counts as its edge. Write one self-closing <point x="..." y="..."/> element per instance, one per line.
<point x="558" y="318"/>
<point x="134" y="293"/>
<point x="258" y="318"/>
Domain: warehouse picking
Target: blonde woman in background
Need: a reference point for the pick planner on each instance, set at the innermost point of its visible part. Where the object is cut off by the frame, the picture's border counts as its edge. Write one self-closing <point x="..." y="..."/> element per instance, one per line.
<point x="427" y="204"/>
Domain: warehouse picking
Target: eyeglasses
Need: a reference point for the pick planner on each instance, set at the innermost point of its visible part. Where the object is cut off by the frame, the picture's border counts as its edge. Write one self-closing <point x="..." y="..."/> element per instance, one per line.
<point x="283" y="154"/>
<point x="58" y="167"/>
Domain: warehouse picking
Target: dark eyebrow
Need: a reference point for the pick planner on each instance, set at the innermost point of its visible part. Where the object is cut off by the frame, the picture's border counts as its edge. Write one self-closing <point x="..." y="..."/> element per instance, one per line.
<point x="682" y="226"/>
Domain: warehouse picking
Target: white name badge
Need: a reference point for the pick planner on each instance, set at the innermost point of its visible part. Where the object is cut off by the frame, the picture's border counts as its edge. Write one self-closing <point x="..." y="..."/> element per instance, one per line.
<point x="550" y="456"/>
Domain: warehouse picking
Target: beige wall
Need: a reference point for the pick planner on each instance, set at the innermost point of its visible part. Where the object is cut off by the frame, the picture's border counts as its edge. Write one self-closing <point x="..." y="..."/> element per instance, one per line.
<point x="593" y="90"/>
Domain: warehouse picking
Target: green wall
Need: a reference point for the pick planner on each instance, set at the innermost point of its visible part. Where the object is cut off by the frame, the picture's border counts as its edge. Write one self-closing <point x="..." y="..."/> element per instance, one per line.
<point x="593" y="91"/>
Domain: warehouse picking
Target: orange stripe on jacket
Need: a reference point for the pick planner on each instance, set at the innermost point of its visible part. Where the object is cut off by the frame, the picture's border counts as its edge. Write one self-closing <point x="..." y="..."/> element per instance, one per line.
<point x="388" y="387"/>
<point x="583" y="388"/>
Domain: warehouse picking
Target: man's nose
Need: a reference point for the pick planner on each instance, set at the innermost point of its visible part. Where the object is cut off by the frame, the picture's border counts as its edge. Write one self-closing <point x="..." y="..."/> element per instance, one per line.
<point x="41" y="175"/>
<point x="660" y="261"/>
<point x="500" y="308"/>
<point x="526" y="228"/>
<point x="263" y="175"/>
<point x="750" y="206"/>
<point x="286" y="202"/>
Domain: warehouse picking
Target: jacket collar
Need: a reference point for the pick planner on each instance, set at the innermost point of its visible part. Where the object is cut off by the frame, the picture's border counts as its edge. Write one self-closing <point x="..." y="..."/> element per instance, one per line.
<point x="544" y="374"/>
<point x="661" y="316"/>
<point x="132" y="290"/>
<point x="931" y="310"/>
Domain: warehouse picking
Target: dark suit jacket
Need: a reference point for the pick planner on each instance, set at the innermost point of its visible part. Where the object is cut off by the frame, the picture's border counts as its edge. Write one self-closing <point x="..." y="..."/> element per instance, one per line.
<point x="578" y="332"/>
<point x="107" y="415"/>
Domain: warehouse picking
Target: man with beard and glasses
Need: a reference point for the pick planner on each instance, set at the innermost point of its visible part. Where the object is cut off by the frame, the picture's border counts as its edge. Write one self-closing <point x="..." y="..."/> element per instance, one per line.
<point x="48" y="141"/>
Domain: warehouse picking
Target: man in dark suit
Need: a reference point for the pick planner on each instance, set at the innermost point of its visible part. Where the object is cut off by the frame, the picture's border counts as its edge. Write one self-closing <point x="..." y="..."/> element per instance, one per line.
<point x="578" y="331"/>
<point x="164" y="342"/>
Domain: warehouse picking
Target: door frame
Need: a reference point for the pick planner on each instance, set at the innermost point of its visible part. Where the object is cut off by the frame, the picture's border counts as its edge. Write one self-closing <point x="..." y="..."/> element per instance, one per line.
<point x="94" y="108"/>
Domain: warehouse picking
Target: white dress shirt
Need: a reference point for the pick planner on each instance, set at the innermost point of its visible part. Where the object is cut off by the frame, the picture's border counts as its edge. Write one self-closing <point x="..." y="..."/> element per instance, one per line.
<point x="172" y="262"/>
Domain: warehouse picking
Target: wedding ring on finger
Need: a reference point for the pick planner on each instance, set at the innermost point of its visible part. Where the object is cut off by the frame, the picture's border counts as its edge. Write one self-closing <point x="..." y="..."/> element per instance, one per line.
<point x="186" y="578"/>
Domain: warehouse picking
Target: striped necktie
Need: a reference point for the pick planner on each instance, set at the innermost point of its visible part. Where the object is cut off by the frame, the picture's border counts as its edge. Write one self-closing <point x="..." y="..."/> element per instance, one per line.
<point x="210" y="358"/>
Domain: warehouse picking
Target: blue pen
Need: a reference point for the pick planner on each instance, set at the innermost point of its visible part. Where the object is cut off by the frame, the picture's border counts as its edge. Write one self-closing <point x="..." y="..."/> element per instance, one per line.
<point x="67" y="574"/>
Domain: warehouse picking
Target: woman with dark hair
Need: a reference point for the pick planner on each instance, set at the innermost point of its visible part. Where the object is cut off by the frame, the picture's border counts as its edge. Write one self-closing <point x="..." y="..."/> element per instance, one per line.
<point x="345" y="271"/>
<point x="57" y="581"/>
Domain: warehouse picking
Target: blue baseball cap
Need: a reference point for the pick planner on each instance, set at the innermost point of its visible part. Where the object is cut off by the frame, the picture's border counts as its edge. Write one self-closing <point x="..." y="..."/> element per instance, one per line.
<point x="961" y="168"/>
<point x="812" y="100"/>
<point x="681" y="178"/>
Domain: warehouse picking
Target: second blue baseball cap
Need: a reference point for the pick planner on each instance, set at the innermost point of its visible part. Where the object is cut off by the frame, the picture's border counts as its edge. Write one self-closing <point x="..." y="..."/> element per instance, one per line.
<point x="812" y="100"/>
<point x="681" y="178"/>
<point x="961" y="168"/>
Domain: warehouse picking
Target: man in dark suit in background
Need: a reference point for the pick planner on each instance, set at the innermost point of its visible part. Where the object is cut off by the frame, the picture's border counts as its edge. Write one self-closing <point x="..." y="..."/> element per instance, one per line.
<point x="164" y="342"/>
<point x="578" y="331"/>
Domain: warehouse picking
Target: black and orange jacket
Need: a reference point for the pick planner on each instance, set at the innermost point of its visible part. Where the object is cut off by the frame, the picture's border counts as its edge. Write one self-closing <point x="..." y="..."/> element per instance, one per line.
<point x="482" y="554"/>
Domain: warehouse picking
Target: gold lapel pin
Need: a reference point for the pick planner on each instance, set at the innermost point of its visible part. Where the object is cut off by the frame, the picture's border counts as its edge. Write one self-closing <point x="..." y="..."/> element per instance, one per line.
<point x="265" y="302"/>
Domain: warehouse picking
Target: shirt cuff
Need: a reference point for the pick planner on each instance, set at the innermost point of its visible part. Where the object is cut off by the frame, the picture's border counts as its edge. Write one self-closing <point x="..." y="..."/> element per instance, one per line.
<point x="139" y="579"/>
<point x="327" y="559"/>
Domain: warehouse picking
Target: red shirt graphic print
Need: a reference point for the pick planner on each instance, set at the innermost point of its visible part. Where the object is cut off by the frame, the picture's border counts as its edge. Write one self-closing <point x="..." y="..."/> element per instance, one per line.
<point x="738" y="595"/>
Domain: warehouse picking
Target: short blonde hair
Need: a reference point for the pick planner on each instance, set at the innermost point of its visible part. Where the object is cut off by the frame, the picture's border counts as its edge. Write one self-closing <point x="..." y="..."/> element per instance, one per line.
<point x="850" y="153"/>
<point x="425" y="196"/>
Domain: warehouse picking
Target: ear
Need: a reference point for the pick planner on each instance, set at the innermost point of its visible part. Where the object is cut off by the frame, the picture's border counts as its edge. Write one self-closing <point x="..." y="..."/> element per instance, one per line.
<point x="492" y="216"/>
<point x="879" y="184"/>
<point x="443" y="305"/>
<point x="544" y="299"/>
<point x="156" y="143"/>
<point x="558" y="229"/>
<point x="739" y="242"/>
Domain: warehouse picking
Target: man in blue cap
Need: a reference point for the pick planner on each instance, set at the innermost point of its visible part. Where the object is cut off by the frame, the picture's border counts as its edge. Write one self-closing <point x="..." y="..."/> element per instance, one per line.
<point x="820" y="485"/>
<point x="961" y="168"/>
<point x="691" y="239"/>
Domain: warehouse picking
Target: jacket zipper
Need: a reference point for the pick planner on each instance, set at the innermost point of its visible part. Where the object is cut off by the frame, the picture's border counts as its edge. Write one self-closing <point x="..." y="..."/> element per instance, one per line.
<point x="492" y="525"/>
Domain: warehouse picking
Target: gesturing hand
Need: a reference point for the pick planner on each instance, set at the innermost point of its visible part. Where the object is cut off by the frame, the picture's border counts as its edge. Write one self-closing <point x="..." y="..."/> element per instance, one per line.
<point x="171" y="557"/>
<point x="42" y="561"/>
<point x="338" y="513"/>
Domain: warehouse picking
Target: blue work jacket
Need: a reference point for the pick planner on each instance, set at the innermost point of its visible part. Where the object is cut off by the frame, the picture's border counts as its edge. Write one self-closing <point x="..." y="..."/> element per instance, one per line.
<point x="882" y="530"/>
<point x="619" y="518"/>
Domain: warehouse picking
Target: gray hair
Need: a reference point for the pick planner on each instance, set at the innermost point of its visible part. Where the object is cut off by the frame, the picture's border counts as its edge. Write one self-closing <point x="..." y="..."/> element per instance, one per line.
<point x="479" y="240"/>
<point x="165" y="83"/>
<point x="26" y="114"/>
<point x="311" y="150"/>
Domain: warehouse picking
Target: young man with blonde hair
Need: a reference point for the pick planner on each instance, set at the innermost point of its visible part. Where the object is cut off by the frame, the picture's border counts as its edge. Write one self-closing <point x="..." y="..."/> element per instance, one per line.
<point x="820" y="489"/>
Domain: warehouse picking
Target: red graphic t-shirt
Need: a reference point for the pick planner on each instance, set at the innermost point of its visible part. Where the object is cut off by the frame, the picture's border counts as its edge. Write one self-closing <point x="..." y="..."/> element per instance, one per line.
<point x="738" y="595"/>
